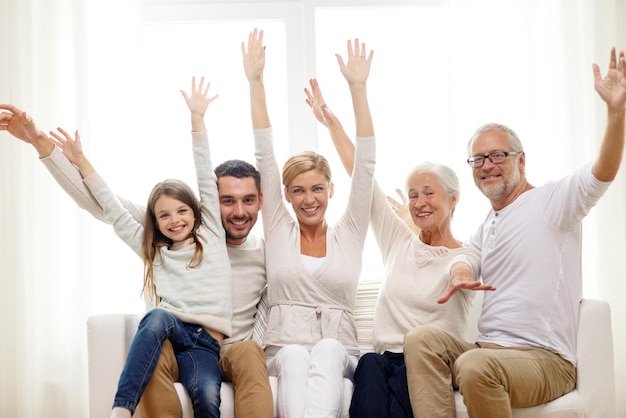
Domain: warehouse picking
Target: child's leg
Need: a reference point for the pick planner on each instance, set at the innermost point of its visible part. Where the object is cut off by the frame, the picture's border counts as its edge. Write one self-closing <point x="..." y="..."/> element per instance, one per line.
<point x="154" y="328"/>
<point x="198" y="363"/>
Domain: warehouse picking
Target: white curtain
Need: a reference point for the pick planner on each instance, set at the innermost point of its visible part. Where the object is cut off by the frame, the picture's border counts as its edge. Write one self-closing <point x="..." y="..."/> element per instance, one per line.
<point x="47" y="68"/>
<point x="77" y="64"/>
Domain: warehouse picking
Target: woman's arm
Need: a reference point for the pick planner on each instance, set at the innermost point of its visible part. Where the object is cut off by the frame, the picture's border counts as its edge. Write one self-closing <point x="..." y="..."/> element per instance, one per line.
<point x="254" y="64"/>
<point x="274" y="211"/>
<point x="341" y="141"/>
<point x="356" y="71"/>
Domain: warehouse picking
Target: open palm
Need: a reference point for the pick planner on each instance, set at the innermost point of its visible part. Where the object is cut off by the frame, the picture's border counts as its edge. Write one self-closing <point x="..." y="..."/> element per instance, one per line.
<point x="612" y="88"/>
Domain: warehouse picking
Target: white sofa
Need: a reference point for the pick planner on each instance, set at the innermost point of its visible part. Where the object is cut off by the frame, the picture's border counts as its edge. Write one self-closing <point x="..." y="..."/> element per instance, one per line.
<point x="109" y="337"/>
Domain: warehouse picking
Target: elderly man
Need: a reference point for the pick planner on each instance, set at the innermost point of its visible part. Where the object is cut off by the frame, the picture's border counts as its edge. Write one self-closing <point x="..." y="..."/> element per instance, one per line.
<point x="530" y="241"/>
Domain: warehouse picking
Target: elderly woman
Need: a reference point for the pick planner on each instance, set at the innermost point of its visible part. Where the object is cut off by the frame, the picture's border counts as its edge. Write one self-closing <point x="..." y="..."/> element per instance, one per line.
<point x="429" y="277"/>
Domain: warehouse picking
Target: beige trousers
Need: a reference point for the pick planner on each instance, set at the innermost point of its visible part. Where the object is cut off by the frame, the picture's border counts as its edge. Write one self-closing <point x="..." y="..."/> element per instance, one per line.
<point x="243" y="365"/>
<point x="491" y="378"/>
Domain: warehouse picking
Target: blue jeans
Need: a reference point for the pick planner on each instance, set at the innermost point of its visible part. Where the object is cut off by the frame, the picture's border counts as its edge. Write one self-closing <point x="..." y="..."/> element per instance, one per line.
<point x="197" y="354"/>
<point x="380" y="387"/>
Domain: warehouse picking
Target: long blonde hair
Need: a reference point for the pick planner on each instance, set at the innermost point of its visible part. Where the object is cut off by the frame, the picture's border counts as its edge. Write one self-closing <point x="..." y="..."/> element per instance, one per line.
<point x="153" y="238"/>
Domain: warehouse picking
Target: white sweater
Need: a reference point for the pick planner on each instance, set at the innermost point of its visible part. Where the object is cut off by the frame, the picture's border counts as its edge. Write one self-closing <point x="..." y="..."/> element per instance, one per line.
<point x="200" y="295"/>
<point x="307" y="307"/>
<point x="416" y="276"/>
<point x="247" y="260"/>
<point x="531" y="254"/>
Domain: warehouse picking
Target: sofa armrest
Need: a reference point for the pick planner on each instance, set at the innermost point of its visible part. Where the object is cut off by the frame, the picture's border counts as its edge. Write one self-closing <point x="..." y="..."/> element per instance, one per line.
<point x="596" y="370"/>
<point x="108" y="339"/>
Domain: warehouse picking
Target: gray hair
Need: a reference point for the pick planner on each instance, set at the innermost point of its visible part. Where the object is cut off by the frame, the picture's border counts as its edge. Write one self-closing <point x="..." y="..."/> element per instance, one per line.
<point x="444" y="174"/>
<point x="514" y="141"/>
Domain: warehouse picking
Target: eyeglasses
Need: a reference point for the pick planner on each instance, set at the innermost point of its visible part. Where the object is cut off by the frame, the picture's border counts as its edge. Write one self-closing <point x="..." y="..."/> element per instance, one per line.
<point x="495" y="158"/>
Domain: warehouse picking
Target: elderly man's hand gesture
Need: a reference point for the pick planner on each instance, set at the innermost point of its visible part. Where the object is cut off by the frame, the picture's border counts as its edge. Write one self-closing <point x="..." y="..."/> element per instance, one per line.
<point x="461" y="278"/>
<point x="612" y="88"/>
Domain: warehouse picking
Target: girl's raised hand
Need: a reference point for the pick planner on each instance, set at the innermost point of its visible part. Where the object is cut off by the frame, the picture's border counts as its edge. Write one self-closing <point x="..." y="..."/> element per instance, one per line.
<point x="73" y="149"/>
<point x="198" y="101"/>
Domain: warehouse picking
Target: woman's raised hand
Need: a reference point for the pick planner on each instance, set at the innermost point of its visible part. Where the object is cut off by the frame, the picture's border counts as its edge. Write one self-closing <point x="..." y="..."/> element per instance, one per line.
<point x="254" y="55"/>
<point x="357" y="69"/>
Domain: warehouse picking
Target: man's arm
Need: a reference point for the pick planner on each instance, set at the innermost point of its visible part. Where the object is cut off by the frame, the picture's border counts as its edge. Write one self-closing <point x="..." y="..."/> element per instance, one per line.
<point x="68" y="177"/>
<point x="21" y="125"/>
<point x="612" y="89"/>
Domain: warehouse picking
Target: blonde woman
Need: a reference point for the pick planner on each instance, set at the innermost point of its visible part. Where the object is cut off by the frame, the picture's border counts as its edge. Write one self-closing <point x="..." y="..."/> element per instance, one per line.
<point x="313" y="268"/>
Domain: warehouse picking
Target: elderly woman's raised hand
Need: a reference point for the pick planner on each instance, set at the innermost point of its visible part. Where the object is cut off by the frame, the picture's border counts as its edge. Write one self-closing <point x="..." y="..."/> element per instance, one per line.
<point x="316" y="102"/>
<point x="402" y="209"/>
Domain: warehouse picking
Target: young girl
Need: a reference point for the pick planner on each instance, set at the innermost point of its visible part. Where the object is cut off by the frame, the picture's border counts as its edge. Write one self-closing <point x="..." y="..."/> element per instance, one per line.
<point x="187" y="271"/>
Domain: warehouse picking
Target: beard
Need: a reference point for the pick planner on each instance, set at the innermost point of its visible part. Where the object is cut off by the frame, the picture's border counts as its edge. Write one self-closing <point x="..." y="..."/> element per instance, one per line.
<point x="500" y="191"/>
<point x="233" y="233"/>
<point x="237" y="235"/>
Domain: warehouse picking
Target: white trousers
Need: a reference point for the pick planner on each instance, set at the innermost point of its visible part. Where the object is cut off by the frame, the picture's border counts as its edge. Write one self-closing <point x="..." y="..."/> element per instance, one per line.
<point x="310" y="384"/>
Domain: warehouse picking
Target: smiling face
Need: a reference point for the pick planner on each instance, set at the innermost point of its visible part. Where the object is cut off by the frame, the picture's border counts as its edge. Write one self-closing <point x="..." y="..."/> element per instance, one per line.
<point x="497" y="181"/>
<point x="308" y="194"/>
<point x="240" y="202"/>
<point x="174" y="218"/>
<point x="430" y="205"/>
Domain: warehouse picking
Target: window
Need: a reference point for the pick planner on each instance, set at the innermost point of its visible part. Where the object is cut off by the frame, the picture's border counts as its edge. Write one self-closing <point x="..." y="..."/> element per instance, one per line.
<point x="439" y="71"/>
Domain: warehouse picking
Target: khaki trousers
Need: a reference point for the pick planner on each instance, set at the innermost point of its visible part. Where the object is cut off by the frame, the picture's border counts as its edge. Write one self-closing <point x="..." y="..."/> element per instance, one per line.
<point x="491" y="378"/>
<point x="243" y="365"/>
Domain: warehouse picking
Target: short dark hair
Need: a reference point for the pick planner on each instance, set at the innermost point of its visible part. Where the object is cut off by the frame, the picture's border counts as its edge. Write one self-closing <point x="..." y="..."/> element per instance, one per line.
<point x="239" y="169"/>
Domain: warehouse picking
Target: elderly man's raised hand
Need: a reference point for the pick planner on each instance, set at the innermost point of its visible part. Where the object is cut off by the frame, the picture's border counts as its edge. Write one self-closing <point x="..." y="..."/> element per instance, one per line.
<point x="461" y="278"/>
<point x="612" y="88"/>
